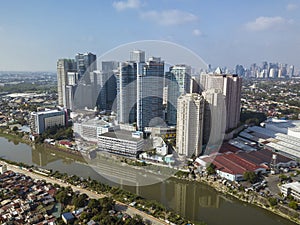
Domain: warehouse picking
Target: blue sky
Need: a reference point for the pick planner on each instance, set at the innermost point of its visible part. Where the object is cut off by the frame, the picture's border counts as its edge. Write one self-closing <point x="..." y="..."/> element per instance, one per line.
<point x="35" y="33"/>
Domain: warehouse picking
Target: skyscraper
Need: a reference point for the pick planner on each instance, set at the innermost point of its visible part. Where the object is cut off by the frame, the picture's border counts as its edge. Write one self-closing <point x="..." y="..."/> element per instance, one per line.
<point x="189" y="130"/>
<point x="126" y="92"/>
<point x="85" y="95"/>
<point x="137" y="56"/>
<point x="150" y="86"/>
<point x="291" y="71"/>
<point x="214" y="117"/>
<point x="63" y="67"/>
<point x="86" y="63"/>
<point x="106" y="85"/>
<point x="140" y="90"/>
<point x="178" y="82"/>
<point x="230" y="85"/>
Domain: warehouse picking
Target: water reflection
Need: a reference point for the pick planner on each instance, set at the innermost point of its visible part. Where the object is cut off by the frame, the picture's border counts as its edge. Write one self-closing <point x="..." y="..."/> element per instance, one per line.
<point x="190" y="199"/>
<point x="41" y="157"/>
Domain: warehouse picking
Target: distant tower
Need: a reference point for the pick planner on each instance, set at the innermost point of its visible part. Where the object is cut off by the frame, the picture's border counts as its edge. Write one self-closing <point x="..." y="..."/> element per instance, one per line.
<point x="86" y="63"/>
<point x="63" y="67"/>
<point x="291" y="70"/>
<point x="137" y="56"/>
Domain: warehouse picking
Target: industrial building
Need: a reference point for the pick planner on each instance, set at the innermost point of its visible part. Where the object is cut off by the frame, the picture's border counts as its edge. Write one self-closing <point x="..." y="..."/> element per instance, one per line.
<point x="275" y="138"/>
<point x="231" y="162"/>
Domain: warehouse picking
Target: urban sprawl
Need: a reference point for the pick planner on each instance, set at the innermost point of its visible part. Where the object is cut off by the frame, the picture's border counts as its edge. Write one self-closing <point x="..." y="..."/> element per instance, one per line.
<point x="240" y="129"/>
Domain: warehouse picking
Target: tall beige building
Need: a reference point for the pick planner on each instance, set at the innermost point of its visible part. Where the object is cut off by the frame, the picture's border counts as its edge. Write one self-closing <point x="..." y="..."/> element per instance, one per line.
<point x="214" y="117"/>
<point x="189" y="130"/>
<point x="231" y="86"/>
<point x="63" y="67"/>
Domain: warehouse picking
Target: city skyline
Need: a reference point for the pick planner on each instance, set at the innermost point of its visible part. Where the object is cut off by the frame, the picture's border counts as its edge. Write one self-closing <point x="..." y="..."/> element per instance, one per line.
<point x="32" y="36"/>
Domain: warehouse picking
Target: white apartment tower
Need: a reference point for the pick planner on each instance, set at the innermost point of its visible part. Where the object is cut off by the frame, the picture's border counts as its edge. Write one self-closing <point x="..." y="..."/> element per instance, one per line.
<point x="189" y="134"/>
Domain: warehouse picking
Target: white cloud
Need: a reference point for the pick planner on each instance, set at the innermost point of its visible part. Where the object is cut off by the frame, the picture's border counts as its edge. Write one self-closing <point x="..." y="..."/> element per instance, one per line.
<point x="197" y="32"/>
<point x="291" y="7"/>
<point x="267" y="23"/>
<point x="169" y="17"/>
<point x="129" y="4"/>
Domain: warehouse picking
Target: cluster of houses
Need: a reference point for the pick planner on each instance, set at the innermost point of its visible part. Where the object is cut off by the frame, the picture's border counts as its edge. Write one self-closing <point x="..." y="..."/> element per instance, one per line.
<point x="25" y="201"/>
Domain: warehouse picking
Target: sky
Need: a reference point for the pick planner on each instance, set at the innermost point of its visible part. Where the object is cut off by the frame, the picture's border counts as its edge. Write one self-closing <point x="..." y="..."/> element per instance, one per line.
<point x="35" y="33"/>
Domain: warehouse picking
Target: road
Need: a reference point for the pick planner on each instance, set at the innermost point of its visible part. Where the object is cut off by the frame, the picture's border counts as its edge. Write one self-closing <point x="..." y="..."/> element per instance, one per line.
<point x="119" y="205"/>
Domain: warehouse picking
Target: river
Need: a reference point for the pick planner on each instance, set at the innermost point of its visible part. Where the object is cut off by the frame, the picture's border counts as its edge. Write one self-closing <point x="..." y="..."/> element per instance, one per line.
<point x="192" y="200"/>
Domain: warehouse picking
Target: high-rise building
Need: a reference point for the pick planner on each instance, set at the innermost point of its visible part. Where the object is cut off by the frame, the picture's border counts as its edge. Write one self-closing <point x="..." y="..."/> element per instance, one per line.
<point x="73" y="78"/>
<point x="105" y="84"/>
<point x="85" y="95"/>
<point x="214" y="117"/>
<point x="150" y="86"/>
<point x="63" y="67"/>
<point x="178" y="82"/>
<point x="239" y="70"/>
<point x="189" y="130"/>
<point x="69" y="98"/>
<point x="86" y="63"/>
<point x="230" y="85"/>
<point x="137" y="56"/>
<point x="109" y="82"/>
<point x="140" y="91"/>
<point x="291" y="71"/>
<point x="126" y="92"/>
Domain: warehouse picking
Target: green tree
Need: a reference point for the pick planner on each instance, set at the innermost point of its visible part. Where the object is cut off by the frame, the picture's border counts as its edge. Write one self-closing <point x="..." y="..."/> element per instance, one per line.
<point x="293" y="205"/>
<point x="250" y="176"/>
<point x="211" y="169"/>
<point x="15" y="128"/>
<point x="79" y="201"/>
<point x="272" y="201"/>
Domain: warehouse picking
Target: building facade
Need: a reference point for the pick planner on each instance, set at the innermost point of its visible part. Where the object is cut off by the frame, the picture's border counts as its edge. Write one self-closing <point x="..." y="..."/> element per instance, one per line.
<point x="150" y="86"/>
<point x="63" y="67"/>
<point x="189" y="134"/>
<point x="126" y="92"/>
<point x="177" y="82"/>
<point x="40" y="121"/>
<point x="214" y="117"/>
<point x="120" y="142"/>
<point x="86" y="63"/>
<point x="231" y="86"/>
<point x="292" y="189"/>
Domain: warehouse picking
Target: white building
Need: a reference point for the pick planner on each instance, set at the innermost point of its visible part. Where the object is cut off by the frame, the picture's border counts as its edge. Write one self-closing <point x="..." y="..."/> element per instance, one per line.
<point x="91" y="129"/>
<point x="190" y="113"/>
<point x="40" y="121"/>
<point x="3" y="169"/>
<point x="160" y="146"/>
<point x="292" y="189"/>
<point x="121" y="142"/>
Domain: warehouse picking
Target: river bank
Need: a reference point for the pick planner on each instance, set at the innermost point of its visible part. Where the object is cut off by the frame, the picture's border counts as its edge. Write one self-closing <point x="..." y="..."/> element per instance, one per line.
<point x="150" y="210"/>
<point x="182" y="190"/>
<point x="252" y="198"/>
